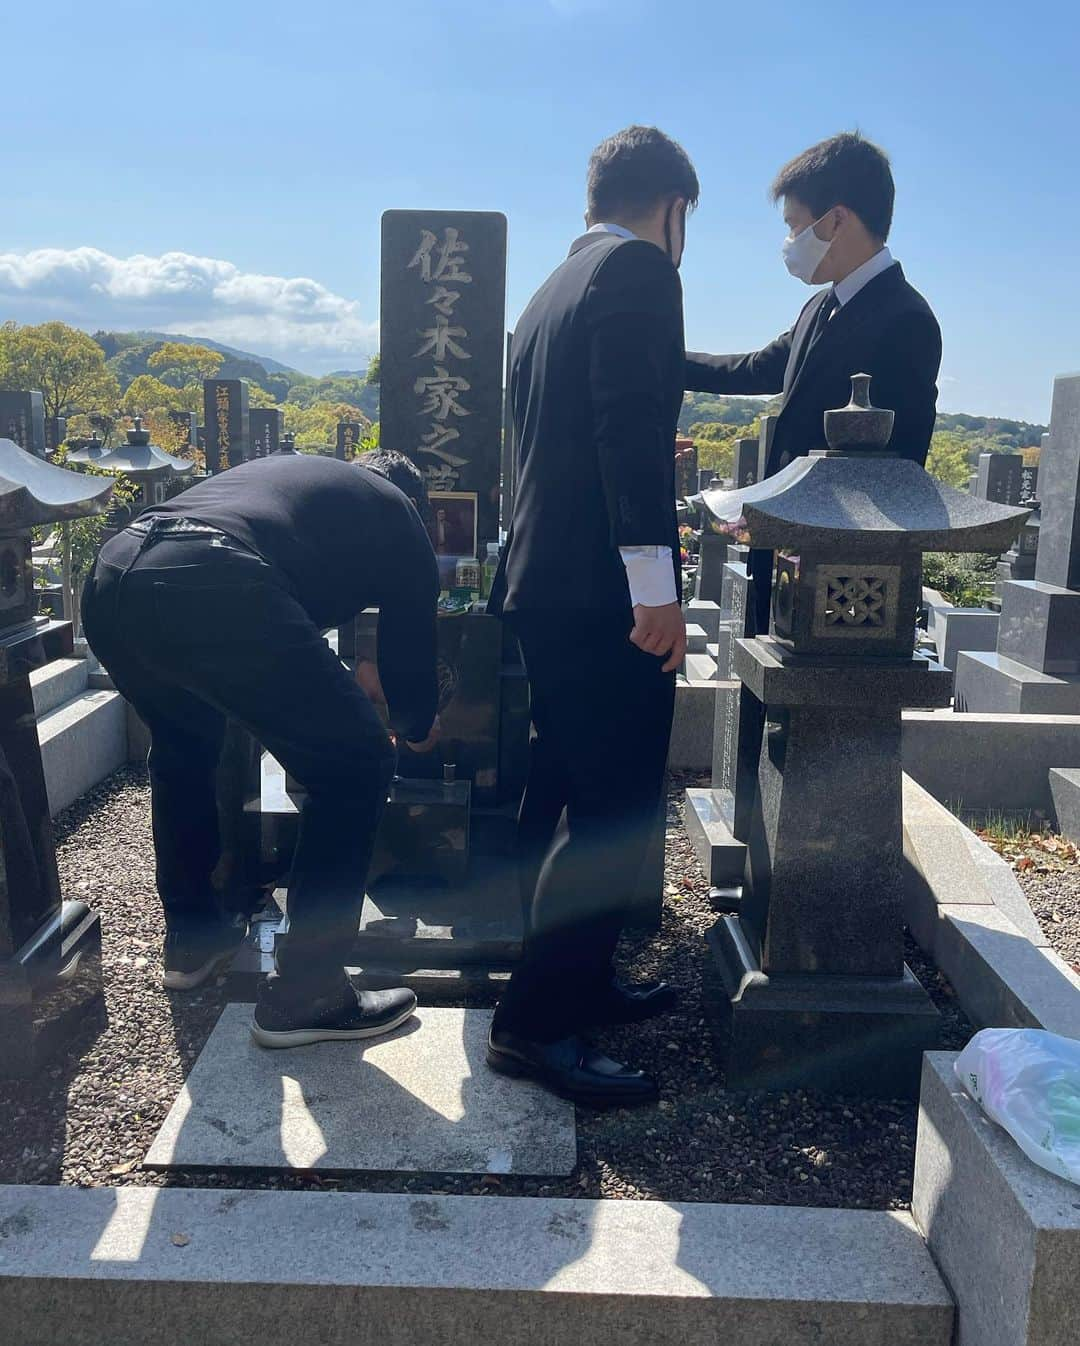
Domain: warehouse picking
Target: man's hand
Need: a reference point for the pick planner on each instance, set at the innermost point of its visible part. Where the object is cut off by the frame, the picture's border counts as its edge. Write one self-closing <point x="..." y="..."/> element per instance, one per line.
<point x="431" y="741"/>
<point x="367" y="679"/>
<point x="661" y="631"/>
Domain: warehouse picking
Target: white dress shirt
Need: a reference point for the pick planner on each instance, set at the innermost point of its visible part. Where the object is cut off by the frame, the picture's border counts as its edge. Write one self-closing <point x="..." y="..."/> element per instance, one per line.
<point x="650" y="571"/>
<point x="846" y="289"/>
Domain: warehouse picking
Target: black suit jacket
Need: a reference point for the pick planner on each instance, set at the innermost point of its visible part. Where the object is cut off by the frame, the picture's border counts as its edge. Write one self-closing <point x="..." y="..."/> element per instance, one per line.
<point x="596" y="385"/>
<point x="887" y="330"/>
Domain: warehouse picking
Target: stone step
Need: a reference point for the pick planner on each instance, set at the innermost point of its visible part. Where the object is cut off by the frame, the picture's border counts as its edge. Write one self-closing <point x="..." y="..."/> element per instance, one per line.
<point x="100" y="1266"/>
<point x="419" y="1101"/>
<point x="1065" y="792"/>
<point x="696" y="638"/>
<point x="59" y="681"/>
<point x="82" y="741"/>
<point x="699" y="668"/>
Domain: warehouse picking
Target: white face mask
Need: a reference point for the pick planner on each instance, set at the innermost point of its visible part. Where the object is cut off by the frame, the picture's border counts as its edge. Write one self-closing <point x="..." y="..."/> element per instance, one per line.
<point x="804" y="253"/>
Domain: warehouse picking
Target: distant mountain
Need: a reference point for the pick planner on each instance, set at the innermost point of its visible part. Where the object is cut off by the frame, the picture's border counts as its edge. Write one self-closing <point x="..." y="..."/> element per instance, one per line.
<point x="123" y="339"/>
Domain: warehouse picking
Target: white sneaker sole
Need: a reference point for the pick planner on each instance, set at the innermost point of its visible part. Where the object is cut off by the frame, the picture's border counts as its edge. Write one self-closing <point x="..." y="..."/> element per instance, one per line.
<point x="189" y="981"/>
<point x="306" y="1037"/>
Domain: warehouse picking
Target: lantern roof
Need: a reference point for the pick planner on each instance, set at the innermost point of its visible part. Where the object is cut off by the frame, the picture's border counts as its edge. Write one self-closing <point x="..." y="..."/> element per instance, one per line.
<point x="33" y="491"/>
<point x="141" y="460"/>
<point x="860" y="495"/>
<point x="89" y="452"/>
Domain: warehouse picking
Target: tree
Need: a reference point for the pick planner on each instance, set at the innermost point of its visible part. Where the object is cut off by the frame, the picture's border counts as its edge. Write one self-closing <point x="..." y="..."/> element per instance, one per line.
<point x="315" y="427"/>
<point x="373" y="370"/>
<point x="64" y="364"/>
<point x="181" y="364"/>
<point x="146" y="394"/>
<point x="948" y="459"/>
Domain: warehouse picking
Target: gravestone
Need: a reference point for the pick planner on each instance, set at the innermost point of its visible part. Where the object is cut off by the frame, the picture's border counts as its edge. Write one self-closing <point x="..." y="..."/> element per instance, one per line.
<point x="349" y="434"/>
<point x="1036" y="666"/>
<point x="266" y="425"/>
<point x="1000" y="478"/>
<point x="442" y="338"/>
<point x="185" y="421"/>
<point x="809" y="981"/>
<point x="22" y="420"/>
<point x="228" y="425"/>
<point x="765" y="442"/>
<point x="686" y="468"/>
<point x="50" y="950"/>
<point x="718" y="818"/>
<point x="55" y="432"/>
<point x="747" y="470"/>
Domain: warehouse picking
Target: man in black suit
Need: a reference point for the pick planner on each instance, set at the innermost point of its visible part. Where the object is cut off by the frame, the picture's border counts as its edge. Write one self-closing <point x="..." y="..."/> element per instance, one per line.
<point x="838" y="206"/>
<point x="589" y="583"/>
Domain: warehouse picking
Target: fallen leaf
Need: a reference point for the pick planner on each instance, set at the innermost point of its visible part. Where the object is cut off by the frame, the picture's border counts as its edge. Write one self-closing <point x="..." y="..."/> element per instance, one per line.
<point x="120" y="1169"/>
<point x="1025" y="862"/>
<point x="181" y="1240"/>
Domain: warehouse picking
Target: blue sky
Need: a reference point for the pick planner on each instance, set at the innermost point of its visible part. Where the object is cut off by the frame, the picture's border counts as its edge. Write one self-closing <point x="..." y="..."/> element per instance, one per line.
<point x="242" y="154"/>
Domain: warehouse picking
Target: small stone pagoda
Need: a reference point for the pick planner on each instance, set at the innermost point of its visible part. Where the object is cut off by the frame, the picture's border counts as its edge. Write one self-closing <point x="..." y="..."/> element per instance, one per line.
<point x="811" y="978"/>
<point x="50" y="973"/>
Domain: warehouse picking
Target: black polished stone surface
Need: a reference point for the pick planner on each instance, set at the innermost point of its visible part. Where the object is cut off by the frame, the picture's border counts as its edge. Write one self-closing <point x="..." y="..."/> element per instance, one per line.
<point x="228" y="425"/>
<point x="22" y="420"/>
<point x="442" y="337"/>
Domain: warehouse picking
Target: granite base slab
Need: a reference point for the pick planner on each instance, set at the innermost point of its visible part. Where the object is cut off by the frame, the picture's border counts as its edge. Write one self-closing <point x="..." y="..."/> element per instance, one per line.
<point x="708" y="825"/>
<point x="860" y="1036"/>
<point x="419" y="1101"/>
<point x="989" y="683"/>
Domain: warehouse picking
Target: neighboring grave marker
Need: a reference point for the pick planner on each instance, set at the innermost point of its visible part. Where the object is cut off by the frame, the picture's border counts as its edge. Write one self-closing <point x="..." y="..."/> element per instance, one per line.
<point x="1000" y="478"/>
<point x="443" y="330"/>
<point x="266" y="426"/>
<point x="349" y="434"/>
<point x="22" y="420"/>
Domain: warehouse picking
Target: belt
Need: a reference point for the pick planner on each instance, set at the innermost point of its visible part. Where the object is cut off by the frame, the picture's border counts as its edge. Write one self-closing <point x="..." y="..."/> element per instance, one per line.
<point x="174" y="526"/>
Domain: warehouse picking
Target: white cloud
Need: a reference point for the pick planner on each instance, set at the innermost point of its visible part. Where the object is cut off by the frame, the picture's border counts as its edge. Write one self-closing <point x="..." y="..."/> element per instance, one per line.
<point x="293" y="318"/>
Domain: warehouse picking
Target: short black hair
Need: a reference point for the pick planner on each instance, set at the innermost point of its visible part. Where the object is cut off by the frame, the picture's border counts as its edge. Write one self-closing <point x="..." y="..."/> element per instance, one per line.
<point x="634" y="170"/>
<point x="401" y="472"/>
<point x="844" y="170"/>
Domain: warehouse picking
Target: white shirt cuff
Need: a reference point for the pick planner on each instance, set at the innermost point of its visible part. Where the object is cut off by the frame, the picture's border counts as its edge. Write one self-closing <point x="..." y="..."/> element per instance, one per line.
<point x="650" y="573"/>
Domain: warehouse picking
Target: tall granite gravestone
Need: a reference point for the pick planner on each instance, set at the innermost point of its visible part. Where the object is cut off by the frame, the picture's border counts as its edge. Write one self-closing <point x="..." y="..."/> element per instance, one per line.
<point x="149" y="467"/>
<point x="50" y="972"/>
<point x="349" y="434"/>
<point x="228" y="424"/>
<point x="1018" y="563"/>
<point x="55" y="433"/>
<point x="265" y="424"/>
<point x="747" y="453"/>
<point x="185" y="422"/>
<point x="718" y="818"/>
<point x="810" y="981"/>
<point x="1035" y="669"/>
<point x="686" y="468"/>
<point x="999" y="478"/>
<point x="22" y="420"/>
<point x="442" y="337"/>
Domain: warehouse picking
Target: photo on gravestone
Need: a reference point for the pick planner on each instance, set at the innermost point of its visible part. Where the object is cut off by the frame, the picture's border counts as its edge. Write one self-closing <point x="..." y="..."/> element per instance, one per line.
<point x="454" y="531"/>
<point x="442" y="339"/>
<point x="228" y="423"/>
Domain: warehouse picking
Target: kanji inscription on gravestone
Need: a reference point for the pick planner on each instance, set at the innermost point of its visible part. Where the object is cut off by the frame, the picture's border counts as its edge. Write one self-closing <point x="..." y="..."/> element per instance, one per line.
<point x="265" y="424"/>
<point x="228" y="426"/>
<point x="442" y="337"/>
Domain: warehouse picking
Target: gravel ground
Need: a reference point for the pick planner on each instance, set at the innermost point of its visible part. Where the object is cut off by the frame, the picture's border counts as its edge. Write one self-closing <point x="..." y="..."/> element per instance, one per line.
<point x="1048" y="869"/>
<point x="90" y="1120"/>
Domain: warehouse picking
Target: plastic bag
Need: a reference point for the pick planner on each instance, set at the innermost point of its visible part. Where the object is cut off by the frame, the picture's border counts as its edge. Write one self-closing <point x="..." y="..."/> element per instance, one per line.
<point x="1028" y="1081"/>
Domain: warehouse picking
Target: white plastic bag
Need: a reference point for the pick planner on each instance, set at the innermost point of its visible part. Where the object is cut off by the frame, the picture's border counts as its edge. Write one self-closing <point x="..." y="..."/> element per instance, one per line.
<point x="1028" y="1081"/>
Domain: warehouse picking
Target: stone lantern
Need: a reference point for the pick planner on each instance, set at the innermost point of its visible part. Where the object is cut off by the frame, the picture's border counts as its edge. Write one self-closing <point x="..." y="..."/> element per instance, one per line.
<point x="288" y="443"/>
<point x="50" y="975"/>
<point x="90" y="450"/>
<point x="149" y="467"/>
<point x="811" y="974"/>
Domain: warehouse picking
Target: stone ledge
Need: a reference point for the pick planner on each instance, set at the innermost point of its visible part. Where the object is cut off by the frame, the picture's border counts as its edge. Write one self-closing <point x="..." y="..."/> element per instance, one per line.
<point x="692" y="729"/>
<point x="1005" y="1233"/>
<point x="1065" y="790"/>
<point x="82" y="742"/>
<point x="118" y="1266"/>
<point x="57" y="682"/>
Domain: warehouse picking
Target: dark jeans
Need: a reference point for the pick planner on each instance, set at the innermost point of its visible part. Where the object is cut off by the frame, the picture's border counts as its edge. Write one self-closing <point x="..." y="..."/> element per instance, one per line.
<point x="601" y="712"/>
<point x="195" y="630"/>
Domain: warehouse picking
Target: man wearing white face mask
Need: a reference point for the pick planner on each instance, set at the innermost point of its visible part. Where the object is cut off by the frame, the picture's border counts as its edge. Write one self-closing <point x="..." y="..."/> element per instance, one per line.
<point x="838" y="206"/>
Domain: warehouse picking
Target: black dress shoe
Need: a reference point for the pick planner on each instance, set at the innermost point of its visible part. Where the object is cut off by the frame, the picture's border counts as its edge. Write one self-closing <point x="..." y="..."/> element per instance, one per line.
<point x="618" y="1003"/>
<point x="572" y="1069"/>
